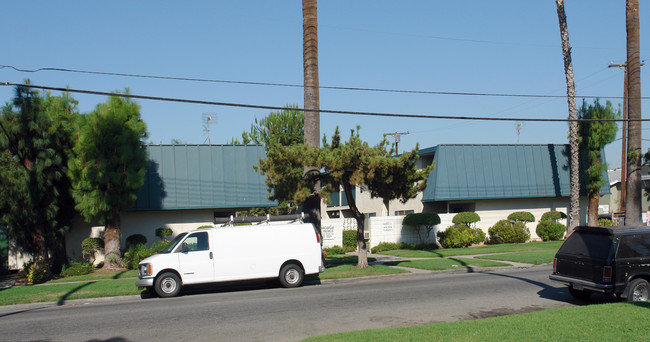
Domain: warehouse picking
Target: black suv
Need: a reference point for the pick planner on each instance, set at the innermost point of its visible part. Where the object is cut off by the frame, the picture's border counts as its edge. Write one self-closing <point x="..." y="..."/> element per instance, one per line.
<point x="613" y="260"/>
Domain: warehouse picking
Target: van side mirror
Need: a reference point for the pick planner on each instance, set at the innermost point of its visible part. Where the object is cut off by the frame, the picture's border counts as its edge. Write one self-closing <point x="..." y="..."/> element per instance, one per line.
<point x="184" y="247"/>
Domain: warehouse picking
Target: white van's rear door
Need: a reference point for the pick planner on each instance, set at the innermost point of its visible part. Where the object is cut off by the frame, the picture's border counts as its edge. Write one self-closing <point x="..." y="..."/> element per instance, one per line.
<point x="196" y="264"/>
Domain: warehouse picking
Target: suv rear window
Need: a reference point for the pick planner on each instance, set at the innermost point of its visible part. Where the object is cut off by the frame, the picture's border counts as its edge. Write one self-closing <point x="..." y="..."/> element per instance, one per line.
<point x="593" y="245"/>
<point x="634" y="246"/>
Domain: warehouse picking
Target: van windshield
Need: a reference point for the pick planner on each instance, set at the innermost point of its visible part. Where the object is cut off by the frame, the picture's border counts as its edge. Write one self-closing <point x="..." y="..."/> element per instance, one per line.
<point x="173" y="243"/>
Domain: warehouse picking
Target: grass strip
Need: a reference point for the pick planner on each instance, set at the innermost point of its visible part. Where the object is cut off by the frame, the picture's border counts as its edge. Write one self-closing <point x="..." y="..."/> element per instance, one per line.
<point x="439" y="264"/>
<point x="98" y="276"/>
<point x="351" y="271"/>
<point x="68" y="291"/>
<point x="535" y="258"/>
<point x="604" y="322"/>
<point x="489" y="249"/>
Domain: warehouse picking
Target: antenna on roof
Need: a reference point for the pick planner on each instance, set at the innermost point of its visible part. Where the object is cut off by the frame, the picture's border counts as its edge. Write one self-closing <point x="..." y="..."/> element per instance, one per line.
<point x="207" y="117"/>
<point x="518" y="127"/>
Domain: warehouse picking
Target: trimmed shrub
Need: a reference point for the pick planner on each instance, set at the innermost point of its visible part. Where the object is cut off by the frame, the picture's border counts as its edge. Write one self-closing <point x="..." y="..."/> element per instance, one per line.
<point x="135" y="239"/>
<point x="90" y="246"/>
<point x="206" y="227"/>
<point x="139" y="252"/>
<point x="163" y="232"/>
<point x="35" y="272"/>
<point x="350" y="239"/>
<point x="460" y="235"/>
<point x="603" y="222"/>
<point x="553" y="216"/>
<point x="336" y="250"/>
<point x="506" y="231"/>
<point x="77" y="268"/>
<point x="548" y="230"/>
<point x="423" y="224"/>
<point x="523" y="216"/>
<point x="466" y="218"/>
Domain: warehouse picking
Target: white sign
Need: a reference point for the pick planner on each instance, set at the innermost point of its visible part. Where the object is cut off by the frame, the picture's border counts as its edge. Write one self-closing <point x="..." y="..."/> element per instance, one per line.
<point x="388" y="226"/>
<point x="328" y="232"/>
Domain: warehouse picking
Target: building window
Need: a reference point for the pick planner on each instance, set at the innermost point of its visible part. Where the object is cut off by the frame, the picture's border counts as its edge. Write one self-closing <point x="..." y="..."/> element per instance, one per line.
<point x="403" y="212"/>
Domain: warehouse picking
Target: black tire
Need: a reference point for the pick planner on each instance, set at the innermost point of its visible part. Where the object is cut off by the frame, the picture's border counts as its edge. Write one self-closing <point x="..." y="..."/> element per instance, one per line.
<point x="291" y="275"/>
<point x="638" y="291"/>
<point x="579" y="294"/>
<point x="167" y="284"/>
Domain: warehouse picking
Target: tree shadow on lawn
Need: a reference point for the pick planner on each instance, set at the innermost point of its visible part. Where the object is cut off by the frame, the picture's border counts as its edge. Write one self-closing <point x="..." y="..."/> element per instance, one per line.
<point x="63" y="298"/>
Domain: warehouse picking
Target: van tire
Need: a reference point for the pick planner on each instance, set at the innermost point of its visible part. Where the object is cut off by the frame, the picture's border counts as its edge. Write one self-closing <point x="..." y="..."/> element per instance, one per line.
<point x="291" y="275"/>
<point x="167" y="284"/>
<point x="638" y="290"/>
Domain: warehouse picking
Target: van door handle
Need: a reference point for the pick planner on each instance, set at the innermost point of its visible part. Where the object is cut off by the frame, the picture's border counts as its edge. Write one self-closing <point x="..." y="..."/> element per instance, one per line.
<point x="210" y="255"/>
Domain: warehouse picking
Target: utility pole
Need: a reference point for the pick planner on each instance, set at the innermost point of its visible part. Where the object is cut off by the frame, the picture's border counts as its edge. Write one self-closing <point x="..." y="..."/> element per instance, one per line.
<point x="397" y="139"/>
<point x="623" y="137"/>
<point x="624" y="128"/>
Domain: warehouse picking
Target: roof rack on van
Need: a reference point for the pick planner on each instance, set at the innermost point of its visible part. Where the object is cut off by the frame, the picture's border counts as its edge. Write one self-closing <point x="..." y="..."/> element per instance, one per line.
<point x="230" y="221"/>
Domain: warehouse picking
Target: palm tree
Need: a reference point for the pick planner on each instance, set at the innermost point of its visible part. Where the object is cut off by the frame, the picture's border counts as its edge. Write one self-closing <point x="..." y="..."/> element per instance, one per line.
<point x="312" y="105"/>
<point x="574" y="203"/>
<point x="633" y="188"/>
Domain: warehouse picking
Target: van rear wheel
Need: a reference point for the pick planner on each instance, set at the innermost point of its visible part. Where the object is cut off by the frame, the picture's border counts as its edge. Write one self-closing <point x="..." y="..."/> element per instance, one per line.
<point x="167" y="285"/>
<point x="638" y="292"/>
<point x="291" y="275"/>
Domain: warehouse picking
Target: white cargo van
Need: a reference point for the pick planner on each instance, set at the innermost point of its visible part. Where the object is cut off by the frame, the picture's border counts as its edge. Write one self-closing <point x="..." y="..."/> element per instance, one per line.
<point x="284" y="251"/>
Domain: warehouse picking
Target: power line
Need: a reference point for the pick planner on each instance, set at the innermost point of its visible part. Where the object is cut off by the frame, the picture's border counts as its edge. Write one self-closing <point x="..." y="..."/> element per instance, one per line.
<point x="343" y="112"/>
<point x="289" y="85"/>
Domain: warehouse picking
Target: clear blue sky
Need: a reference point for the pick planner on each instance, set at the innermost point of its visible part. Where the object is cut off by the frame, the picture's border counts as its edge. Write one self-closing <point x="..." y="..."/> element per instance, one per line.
<point x="509" y="47"/>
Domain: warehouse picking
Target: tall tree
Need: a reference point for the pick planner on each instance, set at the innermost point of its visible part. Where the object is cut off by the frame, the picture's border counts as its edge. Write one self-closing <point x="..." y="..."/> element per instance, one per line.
<point x="312" y="97"/>
<point x="285" y="127"/>
<point x="36" y="208"/>
<point x="633" y="186"/>
<point x="594" y="135"/>
<point x="574" y="167"/>
<point x="346" y="165"/>
<point x="109" y="167"/>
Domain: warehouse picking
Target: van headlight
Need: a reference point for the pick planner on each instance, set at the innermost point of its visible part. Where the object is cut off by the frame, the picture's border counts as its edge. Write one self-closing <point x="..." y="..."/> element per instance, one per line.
<point x="144" y="270"/>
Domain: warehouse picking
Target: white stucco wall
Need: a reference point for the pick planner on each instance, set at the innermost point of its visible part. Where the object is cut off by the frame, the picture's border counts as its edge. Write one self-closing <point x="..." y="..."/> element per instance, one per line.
<point x="142" y="222"/>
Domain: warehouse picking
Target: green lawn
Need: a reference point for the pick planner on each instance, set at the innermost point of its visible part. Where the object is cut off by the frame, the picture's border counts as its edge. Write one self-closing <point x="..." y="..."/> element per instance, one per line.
<point x="61" y="292"/>
<point x="98" y="276"/>
<point x="535" y="257"/>
<point x="447" y="263"/>
<point x="605" y="322"/>
<point x="489" y="249"/>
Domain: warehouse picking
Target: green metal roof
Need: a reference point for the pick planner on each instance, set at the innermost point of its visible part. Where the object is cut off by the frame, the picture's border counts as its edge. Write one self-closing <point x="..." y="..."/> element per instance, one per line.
<point x="203" y="177"/>
<point x="468" y="172"/>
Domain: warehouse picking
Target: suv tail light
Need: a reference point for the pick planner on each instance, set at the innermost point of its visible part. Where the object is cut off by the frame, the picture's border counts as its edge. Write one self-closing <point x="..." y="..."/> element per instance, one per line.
<point x="317" y="236"/>
<point x="554" y="265"/>
<point x="607" y="273"/>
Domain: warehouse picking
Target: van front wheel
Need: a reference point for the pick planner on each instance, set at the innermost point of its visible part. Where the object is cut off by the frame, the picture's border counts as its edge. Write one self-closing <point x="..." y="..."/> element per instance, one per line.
<point x="291" y="275"/>
<point x="167" y="285"/>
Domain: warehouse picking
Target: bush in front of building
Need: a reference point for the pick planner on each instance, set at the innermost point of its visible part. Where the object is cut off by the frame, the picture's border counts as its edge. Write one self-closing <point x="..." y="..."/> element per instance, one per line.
<point x="77" y="268"/>
<point x="523" y="216"/>
<point x="139" y="252"/>
<point x="506" y="231"/>
<point x="163" y="232"/>
<point x="90" y="246"/>
<point x="135" y="239"/>
<point x="350" y="240"/>
<point x="605" y="222"/>
<point x="549" y="230"/>
<point x="460" y="235"/>
<point x="466" y="217"/>
<point x="335" y="250"/>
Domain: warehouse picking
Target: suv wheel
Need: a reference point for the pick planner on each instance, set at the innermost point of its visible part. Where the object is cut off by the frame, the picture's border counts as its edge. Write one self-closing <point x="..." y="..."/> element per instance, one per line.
<point x="638" y="291"/>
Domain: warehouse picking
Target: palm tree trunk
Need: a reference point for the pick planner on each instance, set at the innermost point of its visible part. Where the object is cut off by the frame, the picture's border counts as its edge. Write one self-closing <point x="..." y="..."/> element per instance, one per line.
<point x="112" y="254"/>
<point x="312" y="101"/>
<point x="574" y="202"/>
<point x="633" y="186"/>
